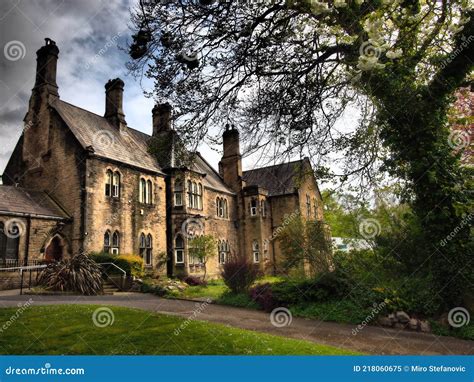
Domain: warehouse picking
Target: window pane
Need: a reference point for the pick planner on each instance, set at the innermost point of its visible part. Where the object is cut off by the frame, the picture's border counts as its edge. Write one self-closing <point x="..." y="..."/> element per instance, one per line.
<point x="179" y="243"/>
<point x="115" y="239"/>
<point x="148" y="241"/>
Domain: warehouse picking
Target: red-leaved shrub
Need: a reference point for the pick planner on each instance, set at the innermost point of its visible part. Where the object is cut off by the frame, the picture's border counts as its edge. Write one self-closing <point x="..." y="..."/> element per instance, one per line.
<point x="238" y="274"/>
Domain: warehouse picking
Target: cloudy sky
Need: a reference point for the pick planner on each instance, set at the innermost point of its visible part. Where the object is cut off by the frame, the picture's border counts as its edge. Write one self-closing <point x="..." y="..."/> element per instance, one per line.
<point x="87" y="33"/>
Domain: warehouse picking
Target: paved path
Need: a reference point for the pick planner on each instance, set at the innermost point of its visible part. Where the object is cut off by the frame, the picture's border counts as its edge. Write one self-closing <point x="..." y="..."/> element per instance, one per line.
<point x="375" y="340"/>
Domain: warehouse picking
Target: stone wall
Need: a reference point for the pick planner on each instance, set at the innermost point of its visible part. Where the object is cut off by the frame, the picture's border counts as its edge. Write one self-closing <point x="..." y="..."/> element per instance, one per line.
<point x="125" y="214"/>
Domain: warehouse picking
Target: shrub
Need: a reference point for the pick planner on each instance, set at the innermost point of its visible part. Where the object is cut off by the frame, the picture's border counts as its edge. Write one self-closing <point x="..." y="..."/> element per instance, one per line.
<point x="263" y="296"/>
<point x="154" y="289"/>
<point x="132" y="264"/>
<point x="195" y="281"/>
<point x="77" y="274"/>
<point x="238" y="274"/>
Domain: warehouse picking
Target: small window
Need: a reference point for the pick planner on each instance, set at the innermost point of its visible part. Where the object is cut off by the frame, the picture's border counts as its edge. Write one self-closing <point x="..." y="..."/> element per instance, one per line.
<point x="179" y="250"/>
<point x="178" y="193"/>
<point x="142" y="191"/>
<point x="253" y="207"/>
<point x="149" y="250"/>
<point x="149" y="192"/>
<point x="190" y="194"/>
<point x="116" y="185"/>
<point x="199" y="192"/>
<point x="226" y="209"/>
<point x="107" y="242"/>
<point x="142" y="245"/>
<point x="224" y="250"/>
<point x="263" y="207"/>
<point x="256" y="251"/>
<point x="115" y="250"/>
<point x="108" y="183"/>
<point x="308" y="206"/>
<point x="265" y="249"/>
<point x="315" y="208"/>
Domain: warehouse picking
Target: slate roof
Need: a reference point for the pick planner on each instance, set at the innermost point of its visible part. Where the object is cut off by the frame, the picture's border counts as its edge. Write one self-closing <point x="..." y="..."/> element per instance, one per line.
<point x="279" y="179"/>
<point x="212" y="178"/>
<point x="16" y="200"/>
<point x="92" y="130"/>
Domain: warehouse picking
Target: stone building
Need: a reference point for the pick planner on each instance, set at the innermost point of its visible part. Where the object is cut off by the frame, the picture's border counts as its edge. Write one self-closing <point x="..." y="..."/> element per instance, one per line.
<point x="77" y="181"/>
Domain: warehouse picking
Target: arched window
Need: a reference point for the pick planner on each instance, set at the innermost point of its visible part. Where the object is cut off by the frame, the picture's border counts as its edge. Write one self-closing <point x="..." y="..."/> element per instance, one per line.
<point x="226" y="210"/>
<point x="199" y="192"/>
<point x="149" y="192"/>
<point x="142" y="245"/>
<point x="256" y="251"/>
<point x="224" y="249"/>
<point x="107" y="241"/>
<point x="142" y="191"/>
<point x="116" y="185"/>
<point x="195" y="195"/>
<point x="115" y="243"/>
<point x="108" y="183"/>
<point x="315" y="208"/>
<point x="179" y="250"/>
<point x="190" y="194"/>
<point x="218" y="205"/>
<point x="178" y="192"/>
<point x="9" y="244"/>
<point x="149" y="250"/>
<point x="253" y="207"/>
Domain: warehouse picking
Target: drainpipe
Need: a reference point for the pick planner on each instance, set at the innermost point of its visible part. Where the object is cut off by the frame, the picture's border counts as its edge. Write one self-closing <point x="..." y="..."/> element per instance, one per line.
<point x="27" y="243"/>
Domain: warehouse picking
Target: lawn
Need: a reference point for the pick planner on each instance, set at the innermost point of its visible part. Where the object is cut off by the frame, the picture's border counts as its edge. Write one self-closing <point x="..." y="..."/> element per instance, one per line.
<point x="69" y="329"/>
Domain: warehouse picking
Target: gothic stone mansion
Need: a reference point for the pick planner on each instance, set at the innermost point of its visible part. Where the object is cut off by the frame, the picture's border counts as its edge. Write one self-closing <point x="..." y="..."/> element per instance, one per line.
<point x="77" y="181"/>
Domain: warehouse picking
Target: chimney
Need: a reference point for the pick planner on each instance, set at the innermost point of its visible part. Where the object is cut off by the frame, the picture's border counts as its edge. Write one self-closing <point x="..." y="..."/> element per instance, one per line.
<point x="46" y="67"/>
<point x="113" y="103"/>
<point x="161" y="118"/>
<point x="230" y="166"/>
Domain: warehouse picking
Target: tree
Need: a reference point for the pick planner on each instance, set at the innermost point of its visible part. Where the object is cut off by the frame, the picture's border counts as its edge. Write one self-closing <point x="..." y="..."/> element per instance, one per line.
<point x="305" y="246"/>
<point x="202" y="248"/>
<point x="285" y="71"/>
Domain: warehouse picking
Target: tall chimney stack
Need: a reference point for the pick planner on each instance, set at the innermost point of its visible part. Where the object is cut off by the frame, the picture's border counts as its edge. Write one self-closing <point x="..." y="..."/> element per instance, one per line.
<point x="46" y="67"/>
<point x="114" y="103"/>
<point x="161" y="118"/>
<point x="230" y="166"/>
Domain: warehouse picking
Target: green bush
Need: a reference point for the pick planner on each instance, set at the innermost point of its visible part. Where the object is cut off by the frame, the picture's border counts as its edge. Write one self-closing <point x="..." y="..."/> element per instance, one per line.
<point x="132" y="264"/>
<point x="154" y="289"/>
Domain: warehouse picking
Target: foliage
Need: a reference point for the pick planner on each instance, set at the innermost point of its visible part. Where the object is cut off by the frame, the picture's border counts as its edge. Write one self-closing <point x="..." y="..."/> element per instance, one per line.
<point x="148" y="287"/>
<point x="132" y="264"/>
<point x="238" y="273"/>
<point x="241" y="300"/>
<point x="284" y="72"/>
<point x="77" y="274"/>
<point x="305" y="242"/>
<point x="195" y="281"/>
<point x="74" y="321"/>
<point x="202" y="247"/>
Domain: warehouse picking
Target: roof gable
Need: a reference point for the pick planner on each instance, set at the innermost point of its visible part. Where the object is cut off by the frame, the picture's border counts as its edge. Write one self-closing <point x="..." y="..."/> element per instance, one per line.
<point x="279" y="179"/>
<point x="95" y="133"/>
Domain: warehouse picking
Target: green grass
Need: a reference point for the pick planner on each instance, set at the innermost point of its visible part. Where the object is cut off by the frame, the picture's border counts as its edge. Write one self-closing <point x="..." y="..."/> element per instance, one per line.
<point x="69" y="329"/>
<point x="213" y="290"/>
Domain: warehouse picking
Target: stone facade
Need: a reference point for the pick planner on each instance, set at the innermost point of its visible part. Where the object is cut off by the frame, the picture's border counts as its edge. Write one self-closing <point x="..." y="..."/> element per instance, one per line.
<point x="121" y="198"/>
